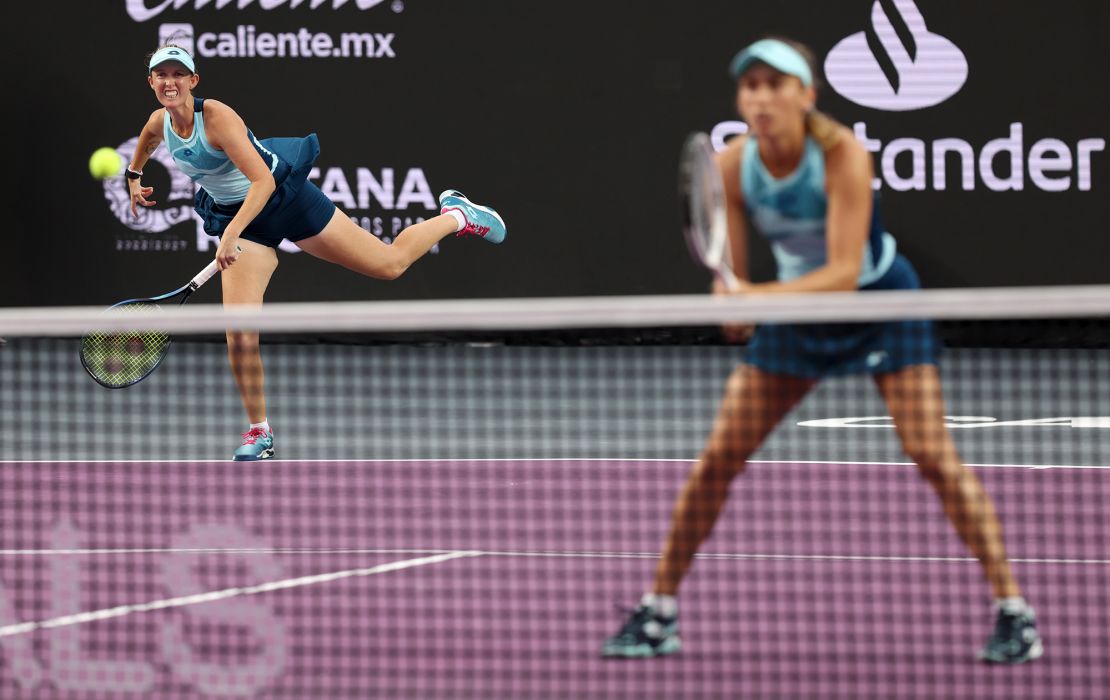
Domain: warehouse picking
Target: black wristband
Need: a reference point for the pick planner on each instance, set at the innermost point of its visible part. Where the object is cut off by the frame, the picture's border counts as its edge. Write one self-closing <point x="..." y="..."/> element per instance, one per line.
<point x="133" y="174"/>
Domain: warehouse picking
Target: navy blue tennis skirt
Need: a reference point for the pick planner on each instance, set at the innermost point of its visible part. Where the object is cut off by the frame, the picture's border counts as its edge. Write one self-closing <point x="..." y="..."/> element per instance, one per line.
<point x="836" y="349"/>
<point x="296" y="210"/>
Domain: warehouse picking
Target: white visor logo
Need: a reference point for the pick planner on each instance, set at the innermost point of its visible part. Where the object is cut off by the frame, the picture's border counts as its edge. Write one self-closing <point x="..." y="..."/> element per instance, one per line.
<point x="901" y="66"/>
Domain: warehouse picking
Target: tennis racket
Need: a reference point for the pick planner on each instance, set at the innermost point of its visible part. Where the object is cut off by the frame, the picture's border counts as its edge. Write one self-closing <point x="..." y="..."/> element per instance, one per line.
<point x="121" y="359"/>
<point x="705" y="222"/>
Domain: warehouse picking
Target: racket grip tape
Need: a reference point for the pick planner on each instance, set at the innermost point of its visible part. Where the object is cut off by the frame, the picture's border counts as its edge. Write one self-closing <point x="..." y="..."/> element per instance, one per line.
<point x="207" y="273"/>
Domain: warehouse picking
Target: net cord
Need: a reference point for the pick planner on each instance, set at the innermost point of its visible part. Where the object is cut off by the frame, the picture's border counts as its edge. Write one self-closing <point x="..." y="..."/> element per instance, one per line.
<point x="573" y="312"/>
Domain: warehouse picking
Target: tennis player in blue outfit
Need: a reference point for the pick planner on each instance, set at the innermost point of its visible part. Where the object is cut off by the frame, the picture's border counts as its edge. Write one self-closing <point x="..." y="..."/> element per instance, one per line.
<point x="803" y="181"/>
<point x="253" y="193"/>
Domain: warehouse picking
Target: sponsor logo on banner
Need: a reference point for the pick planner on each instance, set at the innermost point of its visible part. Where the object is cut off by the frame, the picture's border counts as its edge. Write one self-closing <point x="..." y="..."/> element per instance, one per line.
<point x="143" y="10"/>
<point x="897" y="64"/>
<point x="251" y="41"/>
<point x="150" y="230"/>
<point x="247" y="41"/>
<point x="910" y="68"/>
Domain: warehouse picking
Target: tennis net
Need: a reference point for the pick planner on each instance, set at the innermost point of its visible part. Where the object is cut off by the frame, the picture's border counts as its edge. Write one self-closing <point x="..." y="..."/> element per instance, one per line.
<point x="465" y="492"/>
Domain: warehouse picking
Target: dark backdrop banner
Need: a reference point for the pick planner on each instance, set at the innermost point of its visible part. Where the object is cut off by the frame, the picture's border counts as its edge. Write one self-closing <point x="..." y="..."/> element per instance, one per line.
<point x="988" y="121"/>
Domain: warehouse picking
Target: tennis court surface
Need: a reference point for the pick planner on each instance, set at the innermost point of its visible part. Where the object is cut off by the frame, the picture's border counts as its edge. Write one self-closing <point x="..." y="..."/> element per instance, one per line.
<point x="466" y="511"/>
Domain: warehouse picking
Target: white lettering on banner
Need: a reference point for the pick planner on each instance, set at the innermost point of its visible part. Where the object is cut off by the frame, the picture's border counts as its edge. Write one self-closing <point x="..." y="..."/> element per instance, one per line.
<point x="964" y="422"/>
<point x="414" y="190"/>
<point x="140" y="11"/>
<point x="1003" y="163"/>
<point x="247" y="42"/>
<point x="368" y="184"/>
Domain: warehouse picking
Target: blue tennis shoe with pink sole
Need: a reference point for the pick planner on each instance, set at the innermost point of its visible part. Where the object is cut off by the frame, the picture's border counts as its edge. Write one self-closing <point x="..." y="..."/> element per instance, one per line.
<point x="258" y="443"/>
<point x="481" y="221"/>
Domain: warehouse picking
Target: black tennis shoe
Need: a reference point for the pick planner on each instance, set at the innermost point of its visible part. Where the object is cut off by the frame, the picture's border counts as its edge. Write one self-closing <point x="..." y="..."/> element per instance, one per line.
<point x="645" y="634"/>
<point x="1014" y="639"/>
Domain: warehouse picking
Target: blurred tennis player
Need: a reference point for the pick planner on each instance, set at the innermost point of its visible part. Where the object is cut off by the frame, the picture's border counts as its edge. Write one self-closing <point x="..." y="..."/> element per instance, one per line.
<point x="804" y="181"/>
<point x="253" y="193"/>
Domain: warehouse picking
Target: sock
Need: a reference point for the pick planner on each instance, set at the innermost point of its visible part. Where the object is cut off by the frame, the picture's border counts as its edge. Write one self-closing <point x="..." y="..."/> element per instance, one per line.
<point x="1012" y="606"/>
<point x="457" y="215"/>
<point x="665" y="605"/>
<point x="265" y="425"/>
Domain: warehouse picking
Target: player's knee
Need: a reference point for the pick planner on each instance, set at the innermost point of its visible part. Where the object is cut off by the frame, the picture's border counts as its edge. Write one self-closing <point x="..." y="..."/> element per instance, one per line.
<point x="239" y="342"/>
<point x="934" y="460"/>
<point x="393" y="266"/>
<point x="923" y="447"/>
<point x="394" y="270"/>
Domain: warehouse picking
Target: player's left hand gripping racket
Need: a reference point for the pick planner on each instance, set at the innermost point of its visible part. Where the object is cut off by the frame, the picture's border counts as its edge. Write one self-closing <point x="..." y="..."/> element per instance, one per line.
<point x="705" y="222"/>
<point x="118" y="360"/>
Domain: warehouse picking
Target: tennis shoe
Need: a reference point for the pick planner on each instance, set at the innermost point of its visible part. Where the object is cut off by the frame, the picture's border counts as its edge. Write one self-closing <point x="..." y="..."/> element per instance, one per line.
<point x="645" y="634"/>
<point x="258" y="443"/>
<point x="481" y="221"/>
<point x="1014" y="639"/>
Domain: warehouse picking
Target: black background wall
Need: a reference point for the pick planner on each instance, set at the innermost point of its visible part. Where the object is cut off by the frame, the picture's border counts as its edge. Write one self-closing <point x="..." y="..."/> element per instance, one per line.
<point x="567" y="116"/>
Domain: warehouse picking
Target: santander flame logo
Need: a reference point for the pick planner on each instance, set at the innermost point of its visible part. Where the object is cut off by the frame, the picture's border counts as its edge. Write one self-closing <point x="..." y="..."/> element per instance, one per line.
<point x="897" y="64"/>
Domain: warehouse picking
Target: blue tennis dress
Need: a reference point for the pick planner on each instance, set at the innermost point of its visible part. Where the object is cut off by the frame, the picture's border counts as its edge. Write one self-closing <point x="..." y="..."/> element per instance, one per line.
<point x="296" y="210"/>
<point x="791" y="213"/>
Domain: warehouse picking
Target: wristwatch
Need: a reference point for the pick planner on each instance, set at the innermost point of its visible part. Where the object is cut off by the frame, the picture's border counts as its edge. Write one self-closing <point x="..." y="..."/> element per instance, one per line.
<point x="132" y="174"/>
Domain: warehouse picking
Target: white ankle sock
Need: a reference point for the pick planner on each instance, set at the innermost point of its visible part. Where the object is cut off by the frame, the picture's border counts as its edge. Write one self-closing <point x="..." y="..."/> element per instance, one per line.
<point x="665" y="605"/>
<point x="265" y="425"/>
<point x="457" y="215"/>
<point x="1015" y="605"/>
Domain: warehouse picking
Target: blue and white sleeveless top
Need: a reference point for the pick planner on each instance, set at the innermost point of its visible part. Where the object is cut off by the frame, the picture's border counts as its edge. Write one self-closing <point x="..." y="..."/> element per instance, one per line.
<point x="211" y="169"/>
<point x="790" y="213"/>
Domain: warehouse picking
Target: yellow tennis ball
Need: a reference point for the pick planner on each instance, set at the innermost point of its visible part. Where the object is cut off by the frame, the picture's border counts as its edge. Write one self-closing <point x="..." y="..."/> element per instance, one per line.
<point x="105" y="163"/>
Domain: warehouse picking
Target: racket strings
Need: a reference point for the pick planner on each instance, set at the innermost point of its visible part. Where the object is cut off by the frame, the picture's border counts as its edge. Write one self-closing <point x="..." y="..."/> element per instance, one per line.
<point x="712" y="244"/>
<point x="704" y="208"/>
<point x="118" y="359"/>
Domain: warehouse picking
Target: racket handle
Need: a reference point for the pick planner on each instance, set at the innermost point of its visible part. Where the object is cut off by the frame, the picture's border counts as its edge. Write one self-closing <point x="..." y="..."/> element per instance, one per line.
<point x="207" y="273"/>
<point x="729" y="280"/>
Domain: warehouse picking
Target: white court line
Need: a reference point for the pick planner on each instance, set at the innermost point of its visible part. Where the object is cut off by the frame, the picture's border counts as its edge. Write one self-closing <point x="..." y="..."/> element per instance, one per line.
<point x="911" y="464"/>
<point x="563" y="554"/>
<point x="122" y="610"/>
<point x="531" y="460"/>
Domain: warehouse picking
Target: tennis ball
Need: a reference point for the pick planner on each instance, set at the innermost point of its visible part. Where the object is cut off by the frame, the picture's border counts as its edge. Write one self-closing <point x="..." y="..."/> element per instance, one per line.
<point x="105" y="163"/>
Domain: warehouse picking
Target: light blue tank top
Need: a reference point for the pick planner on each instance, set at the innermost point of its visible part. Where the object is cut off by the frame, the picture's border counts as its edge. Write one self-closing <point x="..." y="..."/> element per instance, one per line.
<point x="790" y="213"/>
<point x="211" y="169"/>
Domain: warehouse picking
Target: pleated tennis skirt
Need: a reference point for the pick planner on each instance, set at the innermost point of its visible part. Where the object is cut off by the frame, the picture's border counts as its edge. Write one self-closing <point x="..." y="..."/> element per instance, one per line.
<point x="836" y="349"/>
<point x="296" y="210"/>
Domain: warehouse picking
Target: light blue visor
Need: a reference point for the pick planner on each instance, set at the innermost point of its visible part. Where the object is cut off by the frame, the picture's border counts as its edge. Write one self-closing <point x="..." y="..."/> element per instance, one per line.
<point x="171" y="53"/>
<point x="778" y="54"/>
